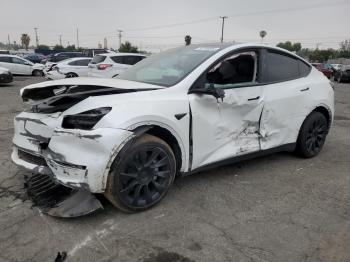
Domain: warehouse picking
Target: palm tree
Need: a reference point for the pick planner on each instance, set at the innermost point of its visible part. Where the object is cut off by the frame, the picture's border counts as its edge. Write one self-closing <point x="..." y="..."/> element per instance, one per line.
<point x="25" y="40"/>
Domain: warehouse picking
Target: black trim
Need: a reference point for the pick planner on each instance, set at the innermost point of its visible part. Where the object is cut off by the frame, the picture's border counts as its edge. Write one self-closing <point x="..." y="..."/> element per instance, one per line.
<point x="180" y="116"/>
<point x="190" y="158"/>
<point x="287" y="147"/>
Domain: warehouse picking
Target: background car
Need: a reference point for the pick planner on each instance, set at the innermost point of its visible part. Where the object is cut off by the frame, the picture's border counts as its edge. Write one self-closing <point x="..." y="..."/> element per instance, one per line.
<point x="72" y="67"/>
<point x="326" y="69"/>
<point x="20" y="66"/>
<point x="5" y="75"/>
<point x="343" y="75"/>
<point x="337" y="67"/>
<point x="109" y="65"/>
<point x="35" y="58"/>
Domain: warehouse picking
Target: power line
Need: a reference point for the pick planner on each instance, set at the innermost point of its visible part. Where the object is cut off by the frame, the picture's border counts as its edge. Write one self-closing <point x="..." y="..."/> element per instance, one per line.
<point x="277" y="10"/>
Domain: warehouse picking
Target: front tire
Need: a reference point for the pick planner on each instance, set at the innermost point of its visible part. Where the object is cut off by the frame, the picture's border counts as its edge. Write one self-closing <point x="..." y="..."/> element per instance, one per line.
<point x="37" y="73"/>
<point x="71" y="75"/>
<point x="312" y="135"/>
<point x="141" y="174"/>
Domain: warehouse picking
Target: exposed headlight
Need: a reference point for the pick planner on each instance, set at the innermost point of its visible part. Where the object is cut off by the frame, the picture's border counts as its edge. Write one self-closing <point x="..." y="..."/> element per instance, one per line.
<point x="85" y="120"/>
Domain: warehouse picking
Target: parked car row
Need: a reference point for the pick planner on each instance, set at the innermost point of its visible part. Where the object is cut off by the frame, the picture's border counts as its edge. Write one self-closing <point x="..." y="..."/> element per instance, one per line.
<point x="105" y="65"/>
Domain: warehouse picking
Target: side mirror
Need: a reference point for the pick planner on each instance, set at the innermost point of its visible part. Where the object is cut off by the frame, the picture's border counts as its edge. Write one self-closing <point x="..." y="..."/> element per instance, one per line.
<point x="209" y="89"/>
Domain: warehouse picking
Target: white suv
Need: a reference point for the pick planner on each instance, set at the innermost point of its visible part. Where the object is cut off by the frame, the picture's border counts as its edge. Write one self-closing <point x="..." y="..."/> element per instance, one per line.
<point x="175" y="113"/>
<point x="112" y="64"/>
<point x="20" y="66"/>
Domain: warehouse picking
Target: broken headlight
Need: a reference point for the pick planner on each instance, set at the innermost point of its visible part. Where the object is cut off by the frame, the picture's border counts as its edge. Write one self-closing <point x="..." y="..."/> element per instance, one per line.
<point x="85" y="120"/>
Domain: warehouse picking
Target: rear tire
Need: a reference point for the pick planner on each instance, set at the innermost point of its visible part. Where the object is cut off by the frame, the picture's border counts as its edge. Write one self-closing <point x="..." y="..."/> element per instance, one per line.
<point x="141" y="174"/>
<point x="312" y="135"/>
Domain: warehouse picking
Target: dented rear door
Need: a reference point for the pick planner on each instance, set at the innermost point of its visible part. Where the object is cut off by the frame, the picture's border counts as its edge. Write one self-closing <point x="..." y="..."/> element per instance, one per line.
<point x="225" y="128"/>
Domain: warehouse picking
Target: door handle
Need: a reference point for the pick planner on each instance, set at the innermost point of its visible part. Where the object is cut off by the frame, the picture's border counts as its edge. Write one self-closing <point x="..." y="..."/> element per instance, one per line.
<point x="305" y="89"/>
<point x="254" y="98"/>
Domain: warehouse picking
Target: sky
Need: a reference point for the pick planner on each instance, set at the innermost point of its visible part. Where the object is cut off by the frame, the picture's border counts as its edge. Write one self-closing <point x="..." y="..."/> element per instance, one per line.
<point x="156" y="25"/>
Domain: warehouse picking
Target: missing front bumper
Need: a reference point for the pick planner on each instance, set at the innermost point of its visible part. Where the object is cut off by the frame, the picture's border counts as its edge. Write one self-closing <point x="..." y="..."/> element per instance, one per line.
<point x="57" y="200"/>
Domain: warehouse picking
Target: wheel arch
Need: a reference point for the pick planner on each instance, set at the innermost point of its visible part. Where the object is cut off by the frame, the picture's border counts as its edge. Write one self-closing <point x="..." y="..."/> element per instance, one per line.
<point x="166" y="135"/>
<point x="324" y="110"/>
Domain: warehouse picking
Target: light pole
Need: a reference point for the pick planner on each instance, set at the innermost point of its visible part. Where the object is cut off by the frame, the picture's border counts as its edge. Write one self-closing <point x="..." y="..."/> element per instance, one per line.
<point x="120" y="36"/>
<point x="36" y="36"/>
<point x="222" y="27"/>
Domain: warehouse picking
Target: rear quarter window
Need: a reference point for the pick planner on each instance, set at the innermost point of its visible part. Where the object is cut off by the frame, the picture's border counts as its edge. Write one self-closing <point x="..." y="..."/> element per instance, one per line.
<point x="282" y="67"/>
<point x="304" y="69"/>
<point x="118" y="59"/>
<point x="98" y="59"/>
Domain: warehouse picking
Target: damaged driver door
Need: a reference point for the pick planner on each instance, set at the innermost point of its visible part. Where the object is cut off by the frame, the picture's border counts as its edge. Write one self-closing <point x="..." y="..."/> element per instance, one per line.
<point x="226" y="105"/>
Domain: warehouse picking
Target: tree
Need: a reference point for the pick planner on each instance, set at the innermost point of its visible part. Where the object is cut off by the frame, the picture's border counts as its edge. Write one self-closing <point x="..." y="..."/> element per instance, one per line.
<point x="70" y="48"/>
<point x="262" y="34"/>
<point x="127" y="47"/>
<point x="58" y="48"/>
<point x="25" y="40"/>
<point x="43" y="47"/>
<point x="188" y="40"/>
<point x="296" y="47"/>
<point x="345" y="45"/>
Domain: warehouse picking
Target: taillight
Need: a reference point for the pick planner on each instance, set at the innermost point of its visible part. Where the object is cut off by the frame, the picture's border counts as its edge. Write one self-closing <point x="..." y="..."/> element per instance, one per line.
<point x="103" y="66"/>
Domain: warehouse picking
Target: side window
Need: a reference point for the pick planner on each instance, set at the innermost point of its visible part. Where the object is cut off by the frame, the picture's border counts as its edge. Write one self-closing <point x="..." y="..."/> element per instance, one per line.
<point x="5" y="59"/>
<point x="281" y="67"/>
<point x="84" y="62"/>
<point x="304" y="69"/>
<point x="81" y="62"/>
<point x="18" y="61"/>
<point x="236" y="70"/>
<point x="73" y="63"/>
<point x="118" y="59"/>
<point x="131" y="60"/>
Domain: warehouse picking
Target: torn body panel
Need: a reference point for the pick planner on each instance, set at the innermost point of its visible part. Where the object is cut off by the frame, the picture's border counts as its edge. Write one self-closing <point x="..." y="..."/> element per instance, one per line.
<point x="225" y="128"/>
<point x="60" y="201"/>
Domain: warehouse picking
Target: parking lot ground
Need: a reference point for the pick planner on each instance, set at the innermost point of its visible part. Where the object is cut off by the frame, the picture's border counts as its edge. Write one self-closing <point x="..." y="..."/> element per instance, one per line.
<point x="274" y="208"/>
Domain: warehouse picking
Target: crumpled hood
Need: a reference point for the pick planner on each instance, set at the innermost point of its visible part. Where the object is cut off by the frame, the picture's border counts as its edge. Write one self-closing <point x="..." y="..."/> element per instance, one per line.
<point x="59" y="95"/>
<point x="91" y="81"/>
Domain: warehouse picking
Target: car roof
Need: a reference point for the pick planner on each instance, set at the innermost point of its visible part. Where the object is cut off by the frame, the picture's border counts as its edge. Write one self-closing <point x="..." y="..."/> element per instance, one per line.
<point x="121" y="54"/>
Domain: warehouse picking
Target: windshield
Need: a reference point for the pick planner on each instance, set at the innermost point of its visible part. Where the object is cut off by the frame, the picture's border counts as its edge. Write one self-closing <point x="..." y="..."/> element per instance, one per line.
<point x="169" y="67"/>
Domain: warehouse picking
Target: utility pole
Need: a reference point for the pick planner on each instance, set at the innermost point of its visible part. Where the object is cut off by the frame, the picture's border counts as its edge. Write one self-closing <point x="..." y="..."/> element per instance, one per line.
<point x="36" y="36"/>
<point x="120" y="36"/>
<point x="60" y="40"/>
<point x="77" y="38"/>
<point x="222" y="27"/>
<point x="8" y="39"/>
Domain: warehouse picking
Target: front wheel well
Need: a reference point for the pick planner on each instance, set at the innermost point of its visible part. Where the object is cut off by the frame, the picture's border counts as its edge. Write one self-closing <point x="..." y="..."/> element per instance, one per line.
<point x="170" y="139"/>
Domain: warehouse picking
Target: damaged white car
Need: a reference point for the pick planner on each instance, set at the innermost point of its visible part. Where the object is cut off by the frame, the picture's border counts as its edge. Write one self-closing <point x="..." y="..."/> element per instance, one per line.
<point x="174" y="113"/>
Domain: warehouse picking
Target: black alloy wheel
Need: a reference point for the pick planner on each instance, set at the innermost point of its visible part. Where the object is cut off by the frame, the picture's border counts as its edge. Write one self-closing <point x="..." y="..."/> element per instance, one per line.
<point x="312" y="135"/>
<point x="141" y="176"/>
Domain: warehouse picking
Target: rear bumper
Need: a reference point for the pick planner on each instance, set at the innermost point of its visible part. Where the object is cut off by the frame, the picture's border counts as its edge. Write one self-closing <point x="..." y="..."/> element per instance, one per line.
<point x="6" y="78"/>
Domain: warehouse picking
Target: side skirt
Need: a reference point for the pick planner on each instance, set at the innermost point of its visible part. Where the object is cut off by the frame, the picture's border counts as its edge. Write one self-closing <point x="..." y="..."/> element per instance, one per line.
<point x="287" y="147"/>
